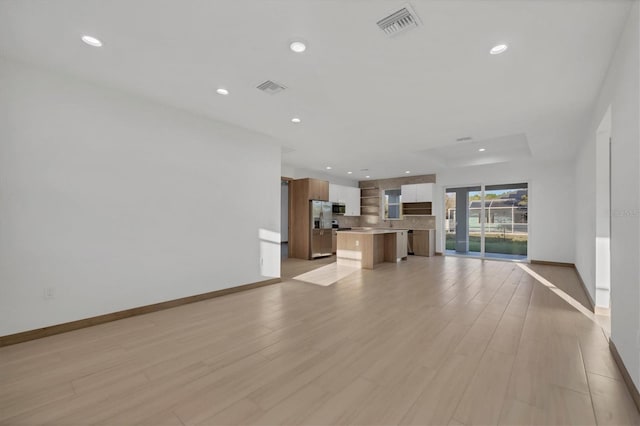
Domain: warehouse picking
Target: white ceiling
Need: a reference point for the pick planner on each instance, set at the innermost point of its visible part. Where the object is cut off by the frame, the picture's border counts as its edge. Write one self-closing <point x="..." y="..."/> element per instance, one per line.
<point x="365" y="100"/>
<point x="495" y="150"/>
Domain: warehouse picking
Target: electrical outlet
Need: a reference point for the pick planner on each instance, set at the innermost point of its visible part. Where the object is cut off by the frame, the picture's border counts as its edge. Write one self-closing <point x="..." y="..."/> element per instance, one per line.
<point x="357" y="243"/>
<point x="49" y="293"/>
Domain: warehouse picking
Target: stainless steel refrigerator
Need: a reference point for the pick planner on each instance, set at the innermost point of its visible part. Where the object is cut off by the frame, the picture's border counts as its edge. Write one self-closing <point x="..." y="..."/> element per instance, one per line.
<point x="321" y="238"/>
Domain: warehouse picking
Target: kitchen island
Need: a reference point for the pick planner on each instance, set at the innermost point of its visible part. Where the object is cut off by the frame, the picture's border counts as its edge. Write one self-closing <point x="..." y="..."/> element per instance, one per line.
<point x="367" y="247"/>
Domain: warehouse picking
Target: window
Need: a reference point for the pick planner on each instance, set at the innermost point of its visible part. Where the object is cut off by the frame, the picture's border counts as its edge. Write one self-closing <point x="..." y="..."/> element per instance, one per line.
<point x="392" y="204"/>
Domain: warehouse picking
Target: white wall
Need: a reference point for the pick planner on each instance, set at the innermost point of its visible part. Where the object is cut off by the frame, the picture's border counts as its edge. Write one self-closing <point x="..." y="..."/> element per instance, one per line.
<point x="621" y="91"/>
<point x="585" y="215"/>
<point x="593" y="211"/>
<point x="603" y="213"/>
<point x="116" y="202"/>
<point x="551" y="202"/>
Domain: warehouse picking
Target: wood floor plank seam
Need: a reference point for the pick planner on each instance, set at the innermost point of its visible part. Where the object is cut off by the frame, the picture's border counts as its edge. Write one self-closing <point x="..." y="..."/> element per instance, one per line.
<point x="483" y="353"/>
<point x="475" y="369"/>
<point x="595" y="416"/>
<point x="519" y="340"/>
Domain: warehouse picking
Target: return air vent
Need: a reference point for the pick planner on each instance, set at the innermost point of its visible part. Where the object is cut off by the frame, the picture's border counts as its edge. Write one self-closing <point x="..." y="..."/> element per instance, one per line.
<point x="271" y="87"/>
<point x="464" y="139"/>
<point x="400" y="21"/>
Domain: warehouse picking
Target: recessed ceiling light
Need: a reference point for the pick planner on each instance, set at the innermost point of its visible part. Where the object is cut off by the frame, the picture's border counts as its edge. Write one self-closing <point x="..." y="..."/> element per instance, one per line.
<point x="500" y="48"/>
<point x="222" y="91"/>
<point x="408" y="171"/>
<point x="349" y="173"/>
<point x="295" y="120"/>
<point x="328" y="167"/>
<point x="367" y="177"/>
<point x="298" y="47"/>
<point x="91" y="41"/>
<point x="482" y="149"/>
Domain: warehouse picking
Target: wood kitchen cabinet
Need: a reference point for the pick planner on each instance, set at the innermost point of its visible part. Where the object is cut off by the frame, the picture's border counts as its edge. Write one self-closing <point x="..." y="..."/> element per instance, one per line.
<point x="318" y="189"/>
<point x="370" y="201"/>
<point x="417" y="209"/>
<point x="424" y="242"/>
<point x="301" y="191"/>
<point x="334" y="240"/>
<point x="368" y="248"/>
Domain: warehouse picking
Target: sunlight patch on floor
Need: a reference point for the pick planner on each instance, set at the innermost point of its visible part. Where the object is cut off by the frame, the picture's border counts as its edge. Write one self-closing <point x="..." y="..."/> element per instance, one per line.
<point x="564" y="296"/>
<point x="327" y="275"/>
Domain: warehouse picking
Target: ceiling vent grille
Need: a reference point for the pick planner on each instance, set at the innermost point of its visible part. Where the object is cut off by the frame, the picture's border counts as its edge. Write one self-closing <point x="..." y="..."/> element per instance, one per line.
<point x="464" y="139"/>
<point x="400" y="21"/>
<point x="271" y="87"/>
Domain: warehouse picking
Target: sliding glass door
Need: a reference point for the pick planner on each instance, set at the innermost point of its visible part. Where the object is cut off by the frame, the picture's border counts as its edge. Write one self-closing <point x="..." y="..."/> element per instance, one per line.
<point x="507" y="224"/>
<point x="487" y="221"/>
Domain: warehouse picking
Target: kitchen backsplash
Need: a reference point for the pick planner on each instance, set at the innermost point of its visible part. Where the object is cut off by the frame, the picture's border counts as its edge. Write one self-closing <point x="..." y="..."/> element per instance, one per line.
<point x="347" y="221"/>
<point x="409" y="222"/>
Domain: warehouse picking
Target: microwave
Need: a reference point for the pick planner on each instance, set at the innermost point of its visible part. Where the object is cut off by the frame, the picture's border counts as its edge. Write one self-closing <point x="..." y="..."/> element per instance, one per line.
<point x="339" y="208"/>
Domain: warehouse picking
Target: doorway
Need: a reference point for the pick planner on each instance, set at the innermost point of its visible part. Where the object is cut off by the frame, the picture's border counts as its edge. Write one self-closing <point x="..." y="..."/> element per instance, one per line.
<point x="284" y="218"/>
<point x="603" y="215"/>
<point x="487" y="221"/>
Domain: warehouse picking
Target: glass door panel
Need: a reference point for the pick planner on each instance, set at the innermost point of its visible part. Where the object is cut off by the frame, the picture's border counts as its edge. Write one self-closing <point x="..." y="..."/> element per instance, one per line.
<point x="475" y="223"/>
<point x="507" y="220"/>
<point x="450" y="221"/>
<point x="459" y="222"/>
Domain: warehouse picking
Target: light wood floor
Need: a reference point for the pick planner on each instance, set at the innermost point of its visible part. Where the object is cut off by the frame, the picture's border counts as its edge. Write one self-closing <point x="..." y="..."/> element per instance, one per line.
<point x="565" y="279"/>
<point x="441" y="340"/>
<point x="292" y="267"/>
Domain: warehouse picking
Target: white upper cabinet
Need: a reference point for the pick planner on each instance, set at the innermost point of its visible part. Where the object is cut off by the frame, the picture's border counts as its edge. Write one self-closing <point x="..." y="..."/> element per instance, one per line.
<point x="409" y="193"/>
<point x="334" y="193"/>
<point x="424" y="192"/>
<point x="347" y="195"/>
<point x="417" y="193"/>
<point x="352" y="201"/>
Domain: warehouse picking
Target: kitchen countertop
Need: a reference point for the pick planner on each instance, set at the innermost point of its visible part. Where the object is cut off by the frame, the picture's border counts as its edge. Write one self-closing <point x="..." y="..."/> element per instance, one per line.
<point x="373" y="231"/>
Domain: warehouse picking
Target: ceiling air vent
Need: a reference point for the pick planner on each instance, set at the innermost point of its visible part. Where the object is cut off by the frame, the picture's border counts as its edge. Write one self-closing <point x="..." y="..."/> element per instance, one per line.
<point x="464" y="139"/>
<point x="271" y="87"/>
<point x="400" y="21"/>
